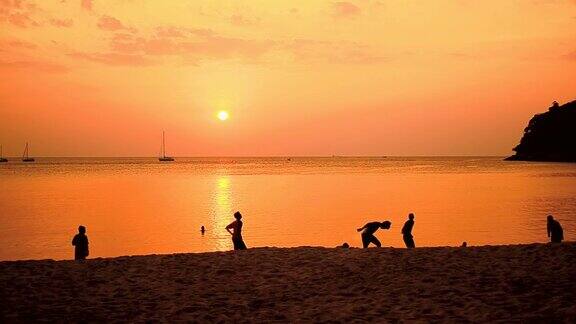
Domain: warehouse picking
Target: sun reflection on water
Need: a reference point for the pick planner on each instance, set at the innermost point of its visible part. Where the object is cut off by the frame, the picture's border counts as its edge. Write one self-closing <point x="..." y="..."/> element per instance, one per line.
<point x="222" y="210"/>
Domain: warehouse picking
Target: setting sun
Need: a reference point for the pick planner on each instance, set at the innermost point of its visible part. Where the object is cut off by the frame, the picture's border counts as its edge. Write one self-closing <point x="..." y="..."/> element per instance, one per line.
<point x="223" y="115"/>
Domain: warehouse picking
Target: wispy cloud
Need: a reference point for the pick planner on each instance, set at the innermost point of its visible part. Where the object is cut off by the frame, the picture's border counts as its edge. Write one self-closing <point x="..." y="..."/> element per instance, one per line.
<point x="110" y="23"/>
<point x="345" y="10"/>
<point x="62" y="23"/>
<point x="18" y="13"/>
<point x="193" y="45"/>
<point x="17" y="44"/>
<point x="148" y="45"/>
<point x="87" y="5"/>
<point x="182" y="32"/>
<point x="48" y="67"/>
<point x="190" y="44"/>
<point x="114" y="59"/>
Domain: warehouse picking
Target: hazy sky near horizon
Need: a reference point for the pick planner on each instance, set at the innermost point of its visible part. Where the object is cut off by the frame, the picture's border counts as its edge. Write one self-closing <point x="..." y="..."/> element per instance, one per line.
<point x="358" y="77"/>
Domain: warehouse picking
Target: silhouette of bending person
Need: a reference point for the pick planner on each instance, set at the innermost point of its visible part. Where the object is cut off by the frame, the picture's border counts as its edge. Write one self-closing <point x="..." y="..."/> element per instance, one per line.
<point x="368" y="231"/>
<point x="555" y="232"/>
<point x="235" y="229"/>
<point x="407" y="232"/>
<point x="80" y="242"/>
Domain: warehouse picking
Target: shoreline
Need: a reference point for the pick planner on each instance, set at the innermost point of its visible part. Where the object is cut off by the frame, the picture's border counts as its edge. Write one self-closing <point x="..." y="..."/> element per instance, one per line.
<point x="532" y="282"/>
<point x="279" y="248"/>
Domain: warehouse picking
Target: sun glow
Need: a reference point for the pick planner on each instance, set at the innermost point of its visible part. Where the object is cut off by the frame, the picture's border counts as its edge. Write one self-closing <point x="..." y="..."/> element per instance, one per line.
<point x="223" y="115"/>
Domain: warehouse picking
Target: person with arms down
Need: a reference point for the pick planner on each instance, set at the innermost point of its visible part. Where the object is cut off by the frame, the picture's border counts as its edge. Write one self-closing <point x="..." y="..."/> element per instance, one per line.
<point x="555" y="232"/>
<point x="80" y="243"/>
<point x="407" y="232"/>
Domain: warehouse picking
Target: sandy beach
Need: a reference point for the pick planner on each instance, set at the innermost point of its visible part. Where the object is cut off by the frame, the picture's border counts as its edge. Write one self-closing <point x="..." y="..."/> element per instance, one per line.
<point x="306" y="284"/>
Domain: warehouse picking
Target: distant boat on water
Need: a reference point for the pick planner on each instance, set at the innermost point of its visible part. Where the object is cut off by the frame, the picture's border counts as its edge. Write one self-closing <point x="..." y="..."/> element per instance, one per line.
<point x="25" y="157"/>
<point x="164" y="158"/>
<point x="2" y="159"/>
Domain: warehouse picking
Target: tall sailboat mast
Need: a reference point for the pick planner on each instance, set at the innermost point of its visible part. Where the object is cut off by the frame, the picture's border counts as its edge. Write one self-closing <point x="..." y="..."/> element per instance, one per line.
<point x="164" y="158"/>
<point x="163" y="145"/>
<point x="2" y="159"/>
<point x="25" y="157"/>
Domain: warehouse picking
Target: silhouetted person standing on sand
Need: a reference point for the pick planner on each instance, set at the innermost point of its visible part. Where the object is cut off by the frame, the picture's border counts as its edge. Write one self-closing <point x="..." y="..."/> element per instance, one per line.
<point x="80" y="242"/>
<point x="235" y="228"/>
<point x="555" y="232"/>
<point x="368" y="231"/>
<point x="202" y="229"/>
<point x="407" y="232"/>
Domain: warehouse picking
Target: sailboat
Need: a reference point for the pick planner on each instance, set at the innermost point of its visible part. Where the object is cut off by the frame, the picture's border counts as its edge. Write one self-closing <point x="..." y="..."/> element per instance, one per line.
<point x="25" y="157"/>
<point x="164" y="158"/>
<point x="2" y="159"/>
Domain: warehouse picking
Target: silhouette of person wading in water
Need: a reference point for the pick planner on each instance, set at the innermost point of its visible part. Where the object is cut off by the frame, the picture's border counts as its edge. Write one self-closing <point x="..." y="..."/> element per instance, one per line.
<point x="368" y="232"/>
<point x="555" y="232"/>
<point x="407" y="232"/>
<point x="236" y="227"/>
<point x="80" y="242"/>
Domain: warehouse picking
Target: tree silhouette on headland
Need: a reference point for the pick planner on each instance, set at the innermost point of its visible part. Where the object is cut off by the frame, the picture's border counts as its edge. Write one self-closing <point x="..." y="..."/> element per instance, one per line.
<point x="550" y="136"/>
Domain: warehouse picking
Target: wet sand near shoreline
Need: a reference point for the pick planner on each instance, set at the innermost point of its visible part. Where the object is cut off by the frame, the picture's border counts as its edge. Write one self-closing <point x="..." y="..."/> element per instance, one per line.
<point x="308" y="284"/>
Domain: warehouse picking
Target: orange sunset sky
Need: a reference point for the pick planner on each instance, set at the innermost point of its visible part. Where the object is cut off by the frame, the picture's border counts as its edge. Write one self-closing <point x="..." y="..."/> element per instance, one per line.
<point x="361" y="77"/>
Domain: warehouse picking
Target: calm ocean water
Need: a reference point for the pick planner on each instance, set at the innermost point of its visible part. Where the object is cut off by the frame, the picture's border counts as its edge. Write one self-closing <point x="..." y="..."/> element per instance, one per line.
<point x="140" y="206"/>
